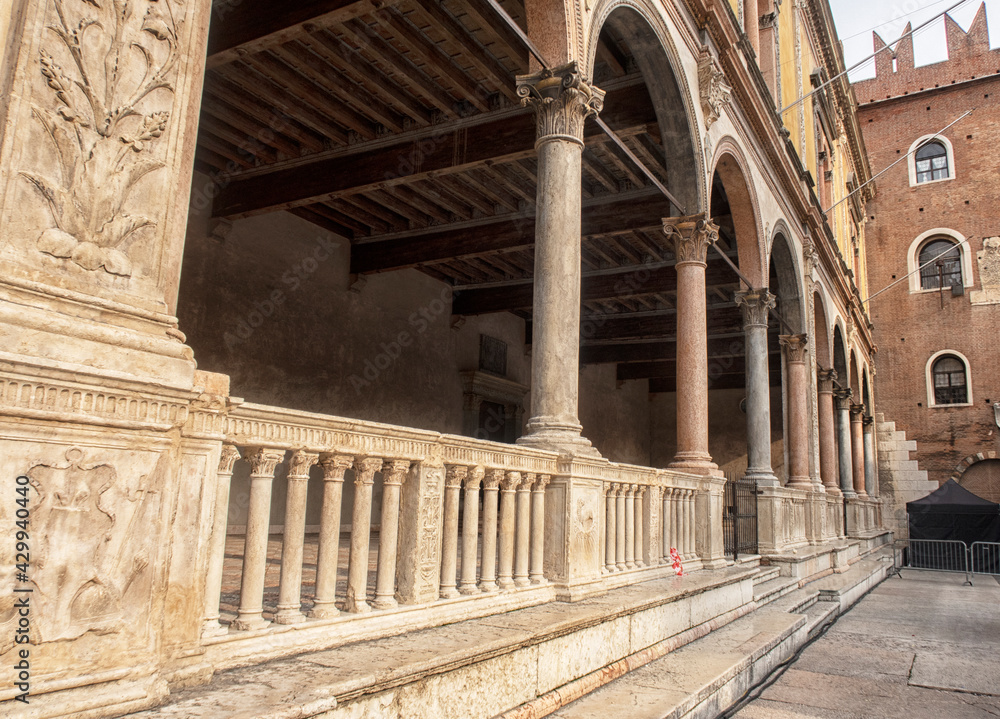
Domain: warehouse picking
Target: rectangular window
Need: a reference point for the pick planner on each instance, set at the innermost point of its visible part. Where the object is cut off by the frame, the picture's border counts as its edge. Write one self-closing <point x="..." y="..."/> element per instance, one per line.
<point x="492" y="355"/>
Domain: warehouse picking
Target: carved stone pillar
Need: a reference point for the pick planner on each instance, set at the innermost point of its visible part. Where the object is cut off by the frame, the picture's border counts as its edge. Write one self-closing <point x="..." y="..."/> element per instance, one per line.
<point x="488" y="573"/>
<point x="620" y="526"/>
<point x="393" y="476"/>
<point x="630" y="526"/>
<point x="508" y="525"/>
<point x="262" y="464"/>
<point x="361" y="527"/>
<point x="827" y="432"/>
<point x="290" y="585"/>
<point x="756" y="307"/>
<point x="845" y="460"/>
<point x="675" y="519"/>
<point x="798" y="410"/>
<point x="858" y="450"/>
<point x="691" y="236"/>
<point x="562" y="100"/>
<point x="522" y="531"/>
<point x="334" y="466"/>
<point x="639" y="492"/>
<point x="537" y="572"/>
<point x="611" y="528"/>
<point x="449" y="554"/>
<point x="689" y="528"/>
<point x="217" y="546"/>
<point x="470" y="531"/>
<point x="870" y="476"/>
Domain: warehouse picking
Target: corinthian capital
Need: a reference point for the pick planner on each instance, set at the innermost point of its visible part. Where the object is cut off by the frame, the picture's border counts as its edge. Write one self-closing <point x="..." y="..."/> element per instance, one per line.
<point x="562" y="100"/>
<point x="795" y="347"/>
<point x="691" y="235"/>
<point x="755" y="305"/>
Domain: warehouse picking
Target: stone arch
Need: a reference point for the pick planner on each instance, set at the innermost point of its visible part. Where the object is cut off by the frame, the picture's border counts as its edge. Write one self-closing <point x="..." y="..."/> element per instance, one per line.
<point x="980" y="474"/>
<point x="823" y="340"/>
<point x="840" y="357"/>
<point x="788" y="288"/>
<point x="659" y="61"/>
<point x="729" y="166"/>
<point x="866" y="392"/>
<point x="855" y="369"/>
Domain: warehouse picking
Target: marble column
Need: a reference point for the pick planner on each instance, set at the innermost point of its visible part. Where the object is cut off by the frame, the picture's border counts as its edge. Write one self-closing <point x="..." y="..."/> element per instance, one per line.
<point x="393" y="475"/>
<point x="620" y="526"/>
<point x="630" y="527"/>
<point x="562" y="100"/>
<point x="488" y="573"/>
<point x="668" y="525"/>
<point x="611" y="528"/>
<point x="845" y="461"/>
<point x="537" y="572"/>
<point x="691" y="545"/>
<point x="508" y="524"/>
<point x="262" y="464"/>
<point x="639" y="492"/>
<point x="470" y="531"/>
<point x="756" y="306"/>
<point x="522" y="531"/>
<point x="361" y="526"/>
<point x="334" y="466"/>
<point x="827" y="432"/>
<point x="217" y="544"/>
<point x="454" y="476"/>
<point x="794" y="347"/>
<point x="293" y="539"/>
<point x="691" y="236"/>
<point x="870" y="476"/>
<point x="858" y="450"/>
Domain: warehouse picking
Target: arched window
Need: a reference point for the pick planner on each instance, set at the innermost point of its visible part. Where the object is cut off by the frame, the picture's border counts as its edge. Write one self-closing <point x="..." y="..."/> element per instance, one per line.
<point x="932" y="162"/>
<point x="946" y="271"/>
<point x="950" y="384"/>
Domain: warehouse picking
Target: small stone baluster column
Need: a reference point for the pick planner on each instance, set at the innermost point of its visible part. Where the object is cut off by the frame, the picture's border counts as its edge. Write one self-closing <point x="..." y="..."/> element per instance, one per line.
<point x="522" y="532"/>
<point x="668" y="525"/>
<point x="827" y="432"/>
<point x="508" y="521"/>
<point x="620" y="526"/>
<point x="639" y="492"/>
<point x="676" y="529"/>
<point x="293" y="541"/>
<point x="798" y="411"/>
<point x="470" y="531"/>
<point x="846" y="462"/>
<point x="361" y="525"/>
<point x="869" y="432"/>
<point x="562" y="100"/>
<point x="449" y="545"/>
<point x="334" y="466"/>
<point x="756" y="307"/>
<point x="217" y="544"/>
<point x="262" y="464"/>
<point x="858" y="450"/>
<point x="537" y="575"/>
<point x="393" y="475"/>
<point x="488" y="575"/>
<point x="692" y="546"/>
<point x="611" y="530"/>
<point x="691" y="236"/>
<point x="630" y="526"/>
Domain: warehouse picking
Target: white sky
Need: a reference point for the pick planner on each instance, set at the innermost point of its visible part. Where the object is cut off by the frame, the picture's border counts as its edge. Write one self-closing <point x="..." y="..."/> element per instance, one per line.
<point x="857" y="18"/>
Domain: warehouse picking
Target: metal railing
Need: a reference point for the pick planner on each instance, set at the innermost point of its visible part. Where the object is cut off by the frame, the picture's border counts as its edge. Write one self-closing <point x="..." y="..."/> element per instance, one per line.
<point x="985" y="557"/>
<point x="941" y="555"/>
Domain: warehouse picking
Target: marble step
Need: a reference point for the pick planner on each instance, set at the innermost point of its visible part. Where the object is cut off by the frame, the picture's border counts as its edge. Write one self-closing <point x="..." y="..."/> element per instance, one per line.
<point x="766" y="575"/>
<point x="773" y="589"/>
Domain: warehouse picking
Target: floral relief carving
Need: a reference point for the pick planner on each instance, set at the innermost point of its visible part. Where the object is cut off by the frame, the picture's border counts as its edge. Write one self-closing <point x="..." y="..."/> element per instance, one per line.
<point x="109" y="66"/>
<point x="715" y="91"/>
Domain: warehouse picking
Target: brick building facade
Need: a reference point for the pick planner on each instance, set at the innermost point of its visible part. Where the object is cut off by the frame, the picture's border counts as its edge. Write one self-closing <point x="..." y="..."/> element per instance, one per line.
<point x="936" y="329"/>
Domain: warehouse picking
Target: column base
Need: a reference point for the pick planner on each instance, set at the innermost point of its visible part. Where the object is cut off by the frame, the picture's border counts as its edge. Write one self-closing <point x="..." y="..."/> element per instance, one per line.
<point x="324" y="611"/>
<point x="289" y="616"/>
<point x="469" y="590"/>
<point x="385" y="603"/>
<point x="553" y="435"/>
<point x="764" y="477"/>
<point x="450" y="593"/>
<point x="695" y="462"/>
<point x="799" y="483"/>
<point x="212" y="628"/>
<point x="848" y="494"/>
<point x="250" y="623"/>
<point x="355" y="606"/>
<point x="833" y="490"/>
<point x="506" y="584"/>
<point x="489" y="588"/>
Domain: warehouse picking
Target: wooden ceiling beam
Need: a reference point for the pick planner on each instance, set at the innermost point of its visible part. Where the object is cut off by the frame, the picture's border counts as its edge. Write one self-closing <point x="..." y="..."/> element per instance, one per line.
<point x="497" y="27"/>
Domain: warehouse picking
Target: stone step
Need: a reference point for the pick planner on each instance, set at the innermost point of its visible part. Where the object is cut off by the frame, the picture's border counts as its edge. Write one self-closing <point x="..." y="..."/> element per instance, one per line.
<point x="773" y="589"/>
<point x="766" y="575"/>
<point x="847" y="588"/>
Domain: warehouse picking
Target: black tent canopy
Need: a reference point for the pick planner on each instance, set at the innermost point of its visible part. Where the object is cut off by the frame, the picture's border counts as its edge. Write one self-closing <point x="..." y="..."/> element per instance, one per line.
<point x="953" y="512"/>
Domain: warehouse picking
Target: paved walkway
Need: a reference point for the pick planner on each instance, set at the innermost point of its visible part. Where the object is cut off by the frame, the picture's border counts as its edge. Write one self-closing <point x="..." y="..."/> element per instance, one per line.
<point x="918" y="647"/>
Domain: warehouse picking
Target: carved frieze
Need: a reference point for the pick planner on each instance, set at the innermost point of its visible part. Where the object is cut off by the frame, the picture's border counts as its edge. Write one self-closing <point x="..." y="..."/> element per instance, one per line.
<point x="562" y="99"/>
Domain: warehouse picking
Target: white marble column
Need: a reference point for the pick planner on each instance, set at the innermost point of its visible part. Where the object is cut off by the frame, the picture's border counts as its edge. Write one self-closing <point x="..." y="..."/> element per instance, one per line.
<point x="620" y="526"/>
<point x="858" y="450"/>
<point x="393" y="475"/>
<point x="537" y="572"/>
<point x="668" y="525"/>
<point x="217" y="544"/>
<point x="470" y="531"/>
<point x="454" y="477"/>
<point x="611" y="528"/>
<point x="361" y="525"/>
<point x="328" y="556"/>
<point x="827" y="432"/>
<point x="508" y="526"/>
<point x="639" y="492"/>
<point x="293" y="539"/>
<point x="794" y="347"/>
<point x="845" y="461"/>
<point x="630" y="526"/>
<point x="562" y="100"/>
<point x="756" y="307"/>
<point x="522" y="531"/>
<point x="870" y="476"/>
<point x="691" y="236"/>
<point x="488" y="573"/>
<point x="262" y="464"/>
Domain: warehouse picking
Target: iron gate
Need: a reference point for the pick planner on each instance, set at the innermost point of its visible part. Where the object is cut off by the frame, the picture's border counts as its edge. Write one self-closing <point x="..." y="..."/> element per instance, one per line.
<point x="739" y="520"/>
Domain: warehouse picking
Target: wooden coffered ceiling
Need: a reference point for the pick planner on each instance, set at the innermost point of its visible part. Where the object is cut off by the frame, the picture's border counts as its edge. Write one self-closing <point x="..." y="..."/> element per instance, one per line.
<point x="396" y="125"/>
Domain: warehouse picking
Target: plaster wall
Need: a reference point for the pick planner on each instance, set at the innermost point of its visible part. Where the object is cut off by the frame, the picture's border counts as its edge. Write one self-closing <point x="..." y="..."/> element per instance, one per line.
<point x="615" y="416"/>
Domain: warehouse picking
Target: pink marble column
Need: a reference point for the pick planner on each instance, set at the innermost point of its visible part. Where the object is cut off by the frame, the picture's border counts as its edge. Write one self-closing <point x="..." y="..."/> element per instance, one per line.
<point x="794" y="347"/>
<point x="827" y="432"/>
<point x="751" y="24"/>
<point x="691" y="236"/>
<point x="858" y="450"/>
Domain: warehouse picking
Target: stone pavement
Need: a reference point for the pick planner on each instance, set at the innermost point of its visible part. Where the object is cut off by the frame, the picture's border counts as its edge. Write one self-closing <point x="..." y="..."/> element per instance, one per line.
<point x="918" y="647"/>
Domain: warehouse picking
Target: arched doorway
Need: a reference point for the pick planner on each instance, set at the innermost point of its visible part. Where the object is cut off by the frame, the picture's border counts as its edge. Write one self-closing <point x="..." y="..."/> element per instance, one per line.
<point x="983" y="479"/>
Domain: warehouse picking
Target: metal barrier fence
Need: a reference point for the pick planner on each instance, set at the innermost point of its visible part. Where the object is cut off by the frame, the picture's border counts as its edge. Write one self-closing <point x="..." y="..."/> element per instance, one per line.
<point x="942" y="555"/>
<point x="985" y="557"/>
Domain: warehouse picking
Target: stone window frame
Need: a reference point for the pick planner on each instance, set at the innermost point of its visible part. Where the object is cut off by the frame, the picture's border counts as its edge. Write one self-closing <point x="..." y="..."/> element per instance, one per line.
<point x="911" y="160"/>
<point x="938" y="233"/>
<point x="929" y="378"/>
